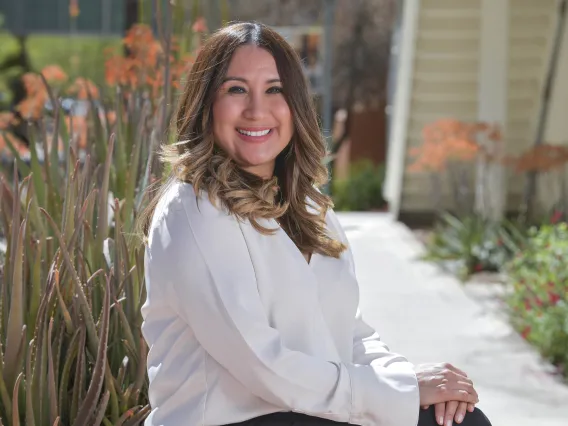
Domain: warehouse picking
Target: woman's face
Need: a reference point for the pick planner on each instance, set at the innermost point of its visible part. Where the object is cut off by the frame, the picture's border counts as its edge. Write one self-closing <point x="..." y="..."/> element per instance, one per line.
<point x="252" y="121"/>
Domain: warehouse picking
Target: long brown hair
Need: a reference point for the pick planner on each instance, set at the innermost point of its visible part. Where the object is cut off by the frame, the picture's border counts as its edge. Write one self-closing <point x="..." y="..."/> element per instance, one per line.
<point x="196" y="158"/>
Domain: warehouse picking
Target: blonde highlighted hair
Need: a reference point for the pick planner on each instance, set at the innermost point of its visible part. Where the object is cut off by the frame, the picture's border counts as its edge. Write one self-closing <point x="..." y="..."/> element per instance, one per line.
<point x="291" y="196"/>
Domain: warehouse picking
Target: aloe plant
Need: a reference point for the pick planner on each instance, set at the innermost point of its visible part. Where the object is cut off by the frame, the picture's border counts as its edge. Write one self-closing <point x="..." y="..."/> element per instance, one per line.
<point x="71" y="348"/>
<point x="72" y="279"/>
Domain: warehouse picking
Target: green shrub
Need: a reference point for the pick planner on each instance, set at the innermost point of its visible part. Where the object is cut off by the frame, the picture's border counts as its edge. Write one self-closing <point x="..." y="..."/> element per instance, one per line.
<point x="473" y="244"/>
<point x="539" y="298"/>
<point x="362" y="190"/>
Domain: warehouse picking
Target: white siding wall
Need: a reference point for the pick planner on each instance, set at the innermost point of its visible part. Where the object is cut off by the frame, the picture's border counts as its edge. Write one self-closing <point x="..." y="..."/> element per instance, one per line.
<point x="445" y="81"/>
<point x="532" y="26"/>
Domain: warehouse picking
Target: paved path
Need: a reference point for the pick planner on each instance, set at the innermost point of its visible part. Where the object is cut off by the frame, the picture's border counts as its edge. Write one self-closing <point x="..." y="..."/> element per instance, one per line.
<point x="429" y="317"/>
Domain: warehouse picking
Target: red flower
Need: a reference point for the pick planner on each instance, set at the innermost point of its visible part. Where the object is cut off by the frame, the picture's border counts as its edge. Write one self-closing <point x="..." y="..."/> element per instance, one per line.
<point x="556" y="217"/>
<point x="528" y="306"/>
<point x="553" y="298"/>
<point x="538" y="302"/>
<point x="526" y="331"/>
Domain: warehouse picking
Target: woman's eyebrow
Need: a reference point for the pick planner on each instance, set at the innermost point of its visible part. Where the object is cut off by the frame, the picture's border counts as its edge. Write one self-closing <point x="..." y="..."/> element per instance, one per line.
<point x="244" y="80"/>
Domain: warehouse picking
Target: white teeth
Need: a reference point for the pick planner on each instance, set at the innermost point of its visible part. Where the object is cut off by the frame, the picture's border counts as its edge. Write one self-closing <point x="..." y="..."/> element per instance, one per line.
<point x="262" y="133"/>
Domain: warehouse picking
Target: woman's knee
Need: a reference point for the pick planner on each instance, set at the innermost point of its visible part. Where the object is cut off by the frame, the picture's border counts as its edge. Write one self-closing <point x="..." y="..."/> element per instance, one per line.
<point x="477" y="418"/>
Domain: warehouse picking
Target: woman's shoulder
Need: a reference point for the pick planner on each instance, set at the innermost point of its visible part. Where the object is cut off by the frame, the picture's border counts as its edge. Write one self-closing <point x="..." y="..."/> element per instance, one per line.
<point x="180" y="204"/>
<point x="188" y="228"/>
<point x="179" y="195"/>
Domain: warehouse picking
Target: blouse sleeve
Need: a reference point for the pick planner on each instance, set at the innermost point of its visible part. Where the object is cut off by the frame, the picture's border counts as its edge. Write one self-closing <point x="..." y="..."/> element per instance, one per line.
<point x="367" y="345"/>
<point x="370" y="350"/>
<point x="213" y="289"/>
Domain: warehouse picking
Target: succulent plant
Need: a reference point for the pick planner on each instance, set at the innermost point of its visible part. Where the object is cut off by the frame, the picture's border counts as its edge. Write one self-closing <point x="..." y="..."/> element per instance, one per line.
<point x="72" y="279"/>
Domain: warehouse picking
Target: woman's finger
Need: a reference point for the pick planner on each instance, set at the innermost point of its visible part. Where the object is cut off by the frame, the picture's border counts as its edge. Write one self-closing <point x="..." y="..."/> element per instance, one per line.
<point x="458" y="395"/>
<point x="470" y="407"/>
<point x="468" y="387"/>
<point x="460" y="412"/>
<point x="447" y="391"/>
<point x="451" y="408"/>
<point x="440" y="411"/>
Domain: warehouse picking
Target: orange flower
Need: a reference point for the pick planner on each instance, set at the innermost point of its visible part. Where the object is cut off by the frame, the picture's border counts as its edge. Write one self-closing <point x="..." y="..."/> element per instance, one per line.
<point x="541" y="158"/>
<point x="180" y="68"/>
<point x="152" y="53"/>
<point x="138" y="39"/>
<point x="114" y="70"/>
<point x="31" y="108"/>
<point x="200" y="25"/>
<point x="111" y="117"/>
<point x="142" y="63"/>
<point x="79" y="130"/>
<point x="449" y="140"/>
<point x="32" y="83"/>
<point x="54" y="74"/>
<point x="6" y="119"/>
<point x="73" y="8"/>
<point x="21" y="147"/>
<point x="84" y="88"/>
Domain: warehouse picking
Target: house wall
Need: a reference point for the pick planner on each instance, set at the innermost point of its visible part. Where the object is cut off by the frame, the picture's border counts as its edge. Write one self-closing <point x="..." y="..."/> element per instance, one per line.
<point x="550" y="184"/>
<point x="557" y="131"/>
<point x="446" y="81"/>
<point x="532" y="26"/>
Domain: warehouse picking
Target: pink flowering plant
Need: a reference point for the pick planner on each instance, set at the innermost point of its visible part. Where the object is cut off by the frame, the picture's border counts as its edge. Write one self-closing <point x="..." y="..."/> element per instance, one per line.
<point x="539" y="300"/>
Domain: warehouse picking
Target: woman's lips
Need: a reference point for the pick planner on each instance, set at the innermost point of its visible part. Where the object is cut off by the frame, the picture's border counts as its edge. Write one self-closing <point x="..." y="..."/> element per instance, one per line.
<point x="254" y="139"/>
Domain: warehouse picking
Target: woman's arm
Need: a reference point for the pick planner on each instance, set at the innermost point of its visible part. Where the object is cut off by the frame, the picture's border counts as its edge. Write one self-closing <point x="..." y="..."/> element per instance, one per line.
<point x="205" y="262"/>
<point x="368" y="349"/>
<point x="367" y="345"/>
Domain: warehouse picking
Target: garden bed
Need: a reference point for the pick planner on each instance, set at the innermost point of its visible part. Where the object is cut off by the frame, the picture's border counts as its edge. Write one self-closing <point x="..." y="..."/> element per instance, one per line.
<point x="531" y="275"/>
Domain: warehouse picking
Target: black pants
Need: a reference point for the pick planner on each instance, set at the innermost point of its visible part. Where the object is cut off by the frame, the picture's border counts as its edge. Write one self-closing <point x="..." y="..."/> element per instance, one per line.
<point x="477" y="418"/>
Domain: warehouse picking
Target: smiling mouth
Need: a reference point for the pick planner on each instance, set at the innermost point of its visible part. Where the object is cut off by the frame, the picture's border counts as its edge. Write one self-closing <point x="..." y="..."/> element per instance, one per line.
<point x="258" y="133"/>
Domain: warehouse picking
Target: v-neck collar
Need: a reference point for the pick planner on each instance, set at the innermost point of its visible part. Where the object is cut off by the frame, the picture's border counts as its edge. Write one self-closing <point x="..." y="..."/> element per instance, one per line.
<point x="293" y="247"/>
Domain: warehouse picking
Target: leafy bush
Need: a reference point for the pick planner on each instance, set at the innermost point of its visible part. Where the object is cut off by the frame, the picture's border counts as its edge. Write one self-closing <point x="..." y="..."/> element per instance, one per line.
<point x="539" y="298"/>
<point x="473" y="244"/>
<point x="362" y="190"/>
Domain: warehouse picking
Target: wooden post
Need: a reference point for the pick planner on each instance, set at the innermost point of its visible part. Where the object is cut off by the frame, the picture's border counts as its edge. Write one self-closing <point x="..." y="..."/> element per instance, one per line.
<point x="396" y="149"/>
<point x="491" y="193"/>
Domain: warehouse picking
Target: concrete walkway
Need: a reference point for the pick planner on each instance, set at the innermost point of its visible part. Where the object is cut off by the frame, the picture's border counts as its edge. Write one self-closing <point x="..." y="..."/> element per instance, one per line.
<point x="429" y="316"/>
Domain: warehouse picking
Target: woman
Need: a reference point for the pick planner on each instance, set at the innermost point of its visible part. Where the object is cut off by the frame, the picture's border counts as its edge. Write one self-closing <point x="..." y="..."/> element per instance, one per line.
<point x="251" y="314"/>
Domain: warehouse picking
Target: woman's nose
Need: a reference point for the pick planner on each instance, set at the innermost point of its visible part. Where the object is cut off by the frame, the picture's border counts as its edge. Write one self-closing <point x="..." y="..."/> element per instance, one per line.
<point x="256" y="107"/>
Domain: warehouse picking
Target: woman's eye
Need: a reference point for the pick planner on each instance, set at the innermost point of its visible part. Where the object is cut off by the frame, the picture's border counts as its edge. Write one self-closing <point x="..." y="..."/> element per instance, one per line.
<point x="236" y="89"/>
<point x="275" y="89"/>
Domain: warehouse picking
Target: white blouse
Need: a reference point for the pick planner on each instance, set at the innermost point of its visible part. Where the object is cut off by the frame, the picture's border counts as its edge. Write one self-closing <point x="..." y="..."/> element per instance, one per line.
<point x="239" y="325"/>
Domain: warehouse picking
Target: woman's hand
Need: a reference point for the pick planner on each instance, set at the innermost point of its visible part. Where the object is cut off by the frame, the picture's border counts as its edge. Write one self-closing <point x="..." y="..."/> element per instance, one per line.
<point x="446" y="412"/>
<point x="441" y="383"/>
